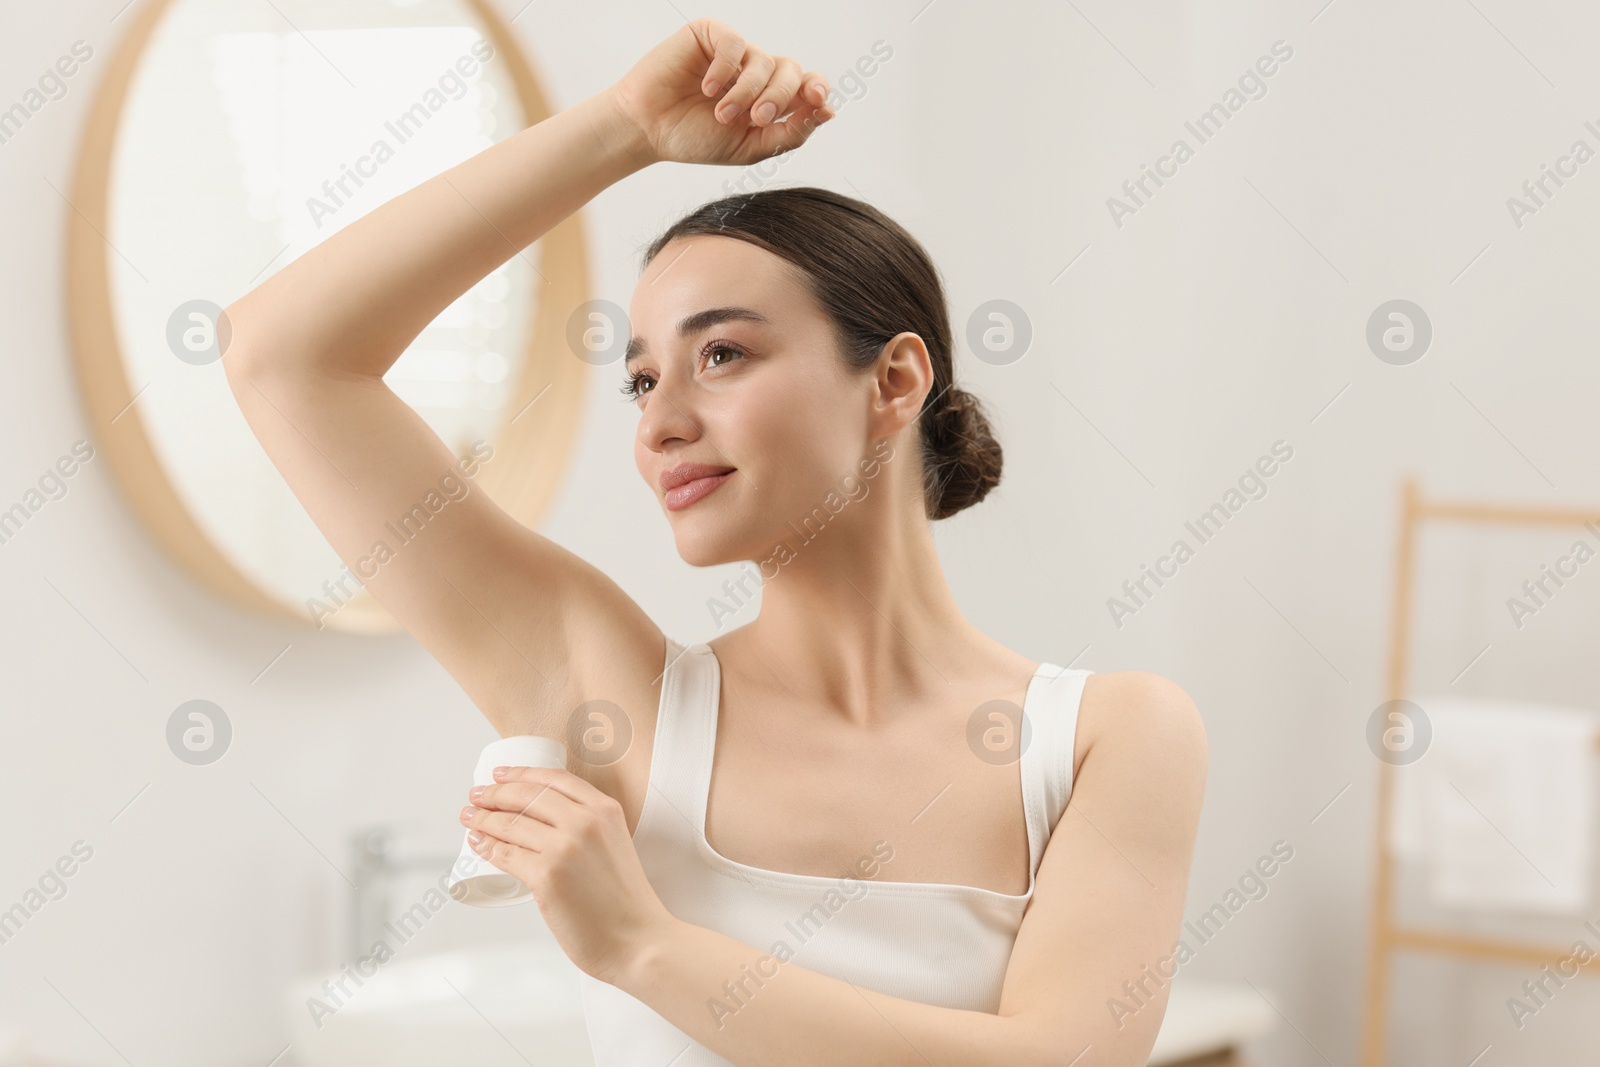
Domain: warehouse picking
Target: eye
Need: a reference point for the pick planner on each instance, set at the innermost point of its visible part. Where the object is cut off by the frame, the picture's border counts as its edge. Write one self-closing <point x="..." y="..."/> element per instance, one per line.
<point x="631" y="390"/>
<point x="719" y="346"/>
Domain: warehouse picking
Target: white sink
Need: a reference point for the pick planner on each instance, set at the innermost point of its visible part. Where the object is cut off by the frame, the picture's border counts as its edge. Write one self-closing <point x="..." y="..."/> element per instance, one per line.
<point x="1206" y="1017"/>
<point x="510" y="1005"/>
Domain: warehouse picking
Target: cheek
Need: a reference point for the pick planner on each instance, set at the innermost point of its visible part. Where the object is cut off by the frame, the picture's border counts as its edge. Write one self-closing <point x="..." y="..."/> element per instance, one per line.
<point x="774" y="430"/>
<point x="797" y="439"/>
<point x="757" y="431"/>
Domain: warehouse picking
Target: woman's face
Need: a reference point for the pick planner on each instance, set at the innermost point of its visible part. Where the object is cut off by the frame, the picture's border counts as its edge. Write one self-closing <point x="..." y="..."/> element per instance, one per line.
<point x="738" y="367"/>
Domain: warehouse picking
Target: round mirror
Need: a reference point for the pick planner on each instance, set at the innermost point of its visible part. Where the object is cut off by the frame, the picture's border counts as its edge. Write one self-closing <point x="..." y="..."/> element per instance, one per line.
<point x="229" y="139"/>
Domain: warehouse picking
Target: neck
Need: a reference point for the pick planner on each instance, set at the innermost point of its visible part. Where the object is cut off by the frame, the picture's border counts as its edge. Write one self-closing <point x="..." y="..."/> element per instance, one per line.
<point x="856" y="615"/>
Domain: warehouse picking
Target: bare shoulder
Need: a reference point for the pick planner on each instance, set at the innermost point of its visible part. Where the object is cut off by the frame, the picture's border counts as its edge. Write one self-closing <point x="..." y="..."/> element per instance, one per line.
<point x="1142" y="716"/>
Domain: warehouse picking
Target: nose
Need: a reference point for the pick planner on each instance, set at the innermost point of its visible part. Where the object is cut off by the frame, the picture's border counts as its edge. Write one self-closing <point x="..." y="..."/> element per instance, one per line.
<point x="668" y="415"/>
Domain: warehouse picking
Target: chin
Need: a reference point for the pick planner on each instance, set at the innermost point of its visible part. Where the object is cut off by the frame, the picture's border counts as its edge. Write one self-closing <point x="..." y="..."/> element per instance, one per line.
<point x="704" y="549"/>
<point x="709" y="532"/>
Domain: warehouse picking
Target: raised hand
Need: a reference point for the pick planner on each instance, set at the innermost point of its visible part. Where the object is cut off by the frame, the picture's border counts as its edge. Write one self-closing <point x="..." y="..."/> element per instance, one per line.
<point x="706" y="95"/>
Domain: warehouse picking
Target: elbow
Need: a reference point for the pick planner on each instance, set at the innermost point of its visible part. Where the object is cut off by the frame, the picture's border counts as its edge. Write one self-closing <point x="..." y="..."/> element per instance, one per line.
<point x="263" y="341"/>
<point x="239" y="359"/>
<point x="237" y="369"/>
<point x="242" y="369"/>
<point x="258" y="339"/>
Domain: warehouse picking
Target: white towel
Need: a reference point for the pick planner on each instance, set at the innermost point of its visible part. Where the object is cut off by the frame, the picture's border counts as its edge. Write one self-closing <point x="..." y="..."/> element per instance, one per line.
<point x="1500" y="808"/>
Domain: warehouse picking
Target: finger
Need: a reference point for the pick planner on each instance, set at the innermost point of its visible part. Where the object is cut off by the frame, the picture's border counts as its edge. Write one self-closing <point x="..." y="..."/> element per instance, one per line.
<point x="793" y="131"/>
<point x="775" y="98"/>
<point x="814" y="89"/>
<point x="724" y="48"/>
<point x="563" y="781"/>
<point x="757" y="70"/>
<point x="523" y="828"/>
<point x="512" y="827"/>
<point x="525" y="800"/>
<point x="502" y="854"/>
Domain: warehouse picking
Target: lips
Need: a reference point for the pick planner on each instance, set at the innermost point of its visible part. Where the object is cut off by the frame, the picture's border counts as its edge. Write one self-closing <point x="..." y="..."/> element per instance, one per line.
<point x="689" y="482"/>
<point x="688" y="472"/>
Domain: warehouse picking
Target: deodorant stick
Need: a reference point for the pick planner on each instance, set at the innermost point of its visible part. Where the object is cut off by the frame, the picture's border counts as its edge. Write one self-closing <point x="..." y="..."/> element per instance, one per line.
<point x="474" y="880"/>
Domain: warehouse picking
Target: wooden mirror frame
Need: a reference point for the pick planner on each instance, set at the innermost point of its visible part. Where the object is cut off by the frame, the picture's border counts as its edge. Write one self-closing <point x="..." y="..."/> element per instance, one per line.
<point x="529" y="457"/>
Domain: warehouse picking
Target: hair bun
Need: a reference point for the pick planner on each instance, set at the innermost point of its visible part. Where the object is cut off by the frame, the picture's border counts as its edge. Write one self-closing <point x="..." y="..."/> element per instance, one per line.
<point x="967" y="457"/>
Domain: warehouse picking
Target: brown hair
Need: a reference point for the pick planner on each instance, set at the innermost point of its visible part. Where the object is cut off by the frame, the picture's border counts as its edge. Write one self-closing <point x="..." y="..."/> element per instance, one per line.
<point x="874" y="280"/>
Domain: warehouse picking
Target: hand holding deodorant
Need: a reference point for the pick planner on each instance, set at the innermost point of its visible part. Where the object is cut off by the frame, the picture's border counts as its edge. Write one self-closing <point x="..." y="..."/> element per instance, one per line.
<point x="474" y="879"/>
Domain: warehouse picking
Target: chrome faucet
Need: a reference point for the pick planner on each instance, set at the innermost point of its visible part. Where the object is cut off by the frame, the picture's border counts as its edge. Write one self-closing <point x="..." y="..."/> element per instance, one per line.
<point x="376" y="865"/>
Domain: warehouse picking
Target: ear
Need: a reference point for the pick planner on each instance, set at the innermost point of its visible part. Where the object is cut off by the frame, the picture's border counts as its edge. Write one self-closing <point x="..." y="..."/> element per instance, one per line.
<point x="902" y="379"/>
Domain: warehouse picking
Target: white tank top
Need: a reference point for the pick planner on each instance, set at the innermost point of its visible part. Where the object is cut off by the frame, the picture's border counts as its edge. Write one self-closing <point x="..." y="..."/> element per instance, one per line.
<point x="930" y="942"/>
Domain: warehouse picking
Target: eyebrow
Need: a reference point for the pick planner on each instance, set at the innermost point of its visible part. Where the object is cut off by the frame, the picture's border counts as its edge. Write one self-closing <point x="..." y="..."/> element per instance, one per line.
<point x="693" y="324"/>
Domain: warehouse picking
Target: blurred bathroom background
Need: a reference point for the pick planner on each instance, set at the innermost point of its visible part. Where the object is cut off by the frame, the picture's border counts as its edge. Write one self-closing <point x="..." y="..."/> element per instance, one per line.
<point x="1366" y="266"/>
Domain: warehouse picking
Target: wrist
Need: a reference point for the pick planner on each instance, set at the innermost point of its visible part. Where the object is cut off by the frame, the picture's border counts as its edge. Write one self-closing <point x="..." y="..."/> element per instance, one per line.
<point x="651" y="950"/>
<point x="621" y="138"/>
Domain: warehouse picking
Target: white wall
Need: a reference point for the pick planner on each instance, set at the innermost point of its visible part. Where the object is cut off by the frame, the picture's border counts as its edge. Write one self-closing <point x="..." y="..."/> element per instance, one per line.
<point x="1227" y="313"/>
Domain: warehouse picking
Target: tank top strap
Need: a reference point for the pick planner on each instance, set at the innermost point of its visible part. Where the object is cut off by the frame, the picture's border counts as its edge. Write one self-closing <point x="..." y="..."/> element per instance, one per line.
<point x="1050" y="712"/>
<point x="676" y="794"/>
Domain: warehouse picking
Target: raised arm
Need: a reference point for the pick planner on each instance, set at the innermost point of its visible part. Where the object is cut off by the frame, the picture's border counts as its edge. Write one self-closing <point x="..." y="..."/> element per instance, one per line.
<point x="527" y="628"/>
<point x="514" y="618"/>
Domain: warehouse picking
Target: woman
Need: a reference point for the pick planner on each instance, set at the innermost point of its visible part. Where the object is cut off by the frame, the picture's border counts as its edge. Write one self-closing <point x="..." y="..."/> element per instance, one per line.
<point x="875" y="893"/>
